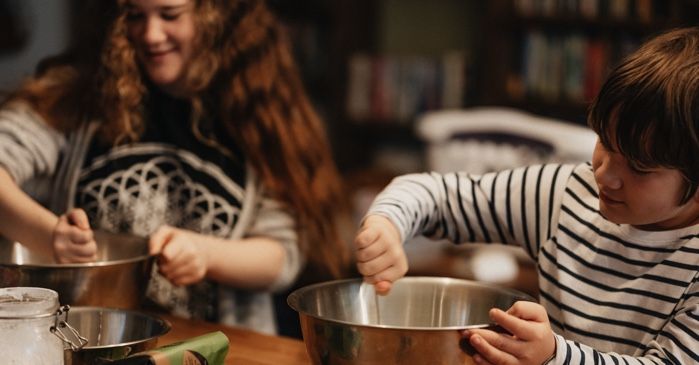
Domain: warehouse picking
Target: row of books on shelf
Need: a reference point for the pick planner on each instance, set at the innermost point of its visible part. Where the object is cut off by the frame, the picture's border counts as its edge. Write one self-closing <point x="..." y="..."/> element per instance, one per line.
<point x="641" y="10"/>
<point x="396" y="88"/>
<point x="567" y="67"/>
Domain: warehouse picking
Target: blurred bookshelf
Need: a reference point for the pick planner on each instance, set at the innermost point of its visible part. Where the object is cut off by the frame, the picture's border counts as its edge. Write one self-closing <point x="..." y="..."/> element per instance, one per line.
<point x="373" y="66"/>
<point x="555" y="54"/>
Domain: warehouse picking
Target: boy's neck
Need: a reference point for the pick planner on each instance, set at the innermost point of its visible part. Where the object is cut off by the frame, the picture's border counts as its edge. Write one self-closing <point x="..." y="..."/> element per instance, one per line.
<point x="687" y="218"/>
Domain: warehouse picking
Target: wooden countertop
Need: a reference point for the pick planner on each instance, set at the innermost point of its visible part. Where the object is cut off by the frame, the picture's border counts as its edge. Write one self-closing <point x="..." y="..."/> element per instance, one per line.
<point x="246" y="347"/>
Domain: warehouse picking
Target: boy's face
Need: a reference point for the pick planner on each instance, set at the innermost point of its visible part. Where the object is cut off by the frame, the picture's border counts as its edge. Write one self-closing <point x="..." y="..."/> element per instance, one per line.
<point x="645" y="198"/>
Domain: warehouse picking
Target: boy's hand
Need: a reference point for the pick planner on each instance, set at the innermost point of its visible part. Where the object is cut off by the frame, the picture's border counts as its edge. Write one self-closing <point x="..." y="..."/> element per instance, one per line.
<point x="532" y="341"/>
<point x="73" y="240"/>
<point x="380" y="255"/>
<point x="182" y="259"/>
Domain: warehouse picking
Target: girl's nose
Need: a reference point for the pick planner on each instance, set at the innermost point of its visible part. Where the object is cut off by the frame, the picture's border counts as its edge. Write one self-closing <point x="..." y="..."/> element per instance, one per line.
<point x="153" y="31"/>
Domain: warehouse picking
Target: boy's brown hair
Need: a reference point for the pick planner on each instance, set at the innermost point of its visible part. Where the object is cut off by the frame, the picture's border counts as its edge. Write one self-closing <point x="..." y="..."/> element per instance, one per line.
<point x="648" y="108"/>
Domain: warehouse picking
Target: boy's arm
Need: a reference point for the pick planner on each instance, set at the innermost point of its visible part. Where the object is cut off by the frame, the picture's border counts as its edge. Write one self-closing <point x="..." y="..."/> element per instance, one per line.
<point x="512" y="206"/>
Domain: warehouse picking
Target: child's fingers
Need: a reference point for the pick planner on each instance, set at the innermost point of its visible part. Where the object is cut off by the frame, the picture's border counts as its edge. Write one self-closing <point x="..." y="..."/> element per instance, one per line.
<point x="80" y="236"/>
<point x="65" y="230"/>
<point x="366" y="237"/>
<point x="489" y="351"/>
<point x="72" y="259"/>
<point x="519" y="319"/>
<point x="76" y="252"/>
<point x="503" y="342"/>
<point x="391" y="274"/>
<point x="159" y="239"/>
<point x="187" y="273"/>
<point x="171" y="251"/>
<point x="528" y="311"/>
<point x="375" y="266"/>
<point x="370" y="252"/>
<point x="86" y="250"/>
<point x="183" y="280"/>
<point x="172" y="271"/>
<point x="78" y="218"/>
<point x="512" y="324"/>
<point x="480" y="360"/>
<point x="383" y="287"/>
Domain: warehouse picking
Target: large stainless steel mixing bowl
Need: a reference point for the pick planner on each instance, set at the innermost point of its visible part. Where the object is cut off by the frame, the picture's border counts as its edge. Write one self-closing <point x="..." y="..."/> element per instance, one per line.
<point x="112" y="334"/>
<point x="419" y="322"/>
<point x="117" y="279"/>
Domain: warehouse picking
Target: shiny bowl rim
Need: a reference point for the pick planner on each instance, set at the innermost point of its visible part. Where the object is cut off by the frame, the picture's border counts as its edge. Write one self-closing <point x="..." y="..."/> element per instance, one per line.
<point x="166" y="324"/>
<point x="293" y="299"/>
<point x="78" y="265"/>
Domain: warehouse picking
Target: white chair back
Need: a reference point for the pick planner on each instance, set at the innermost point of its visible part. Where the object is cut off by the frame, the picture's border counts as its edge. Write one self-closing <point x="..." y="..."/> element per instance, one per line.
<point x="484" y="139"/>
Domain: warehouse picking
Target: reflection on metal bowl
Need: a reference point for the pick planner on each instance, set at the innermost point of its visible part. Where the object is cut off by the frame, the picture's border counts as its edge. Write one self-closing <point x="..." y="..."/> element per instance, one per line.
<point x="418" y="322"/>
<point x="117" y="279"/>
<point x="112" y="334"/>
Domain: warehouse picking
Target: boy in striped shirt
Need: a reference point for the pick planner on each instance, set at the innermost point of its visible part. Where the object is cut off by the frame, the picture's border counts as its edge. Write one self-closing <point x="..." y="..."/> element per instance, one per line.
<point x="616" y="241"/>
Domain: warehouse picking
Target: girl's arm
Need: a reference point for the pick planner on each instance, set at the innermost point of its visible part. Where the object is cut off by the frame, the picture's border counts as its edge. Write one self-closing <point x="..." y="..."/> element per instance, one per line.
<point x="67" y="238"/>
<point x="268" y="258"/>
<point x="30" y="148"/>
<point x="22" y="218"/>
<point x="187" y="257"/>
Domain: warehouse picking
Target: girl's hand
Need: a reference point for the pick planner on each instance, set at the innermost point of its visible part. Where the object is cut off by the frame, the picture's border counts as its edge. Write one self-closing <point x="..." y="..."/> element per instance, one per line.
<point x="73" y="240"/>
<point x="182" y="258"/>
<point x="532" y="341"/>
<point x="380" y="255"/>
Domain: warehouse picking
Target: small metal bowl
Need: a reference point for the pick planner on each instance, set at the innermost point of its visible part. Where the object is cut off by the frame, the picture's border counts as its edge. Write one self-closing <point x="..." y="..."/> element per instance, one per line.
<point x="117" y="279"/>
<point x="418" y="322"/>
<point x="112" y="334"/>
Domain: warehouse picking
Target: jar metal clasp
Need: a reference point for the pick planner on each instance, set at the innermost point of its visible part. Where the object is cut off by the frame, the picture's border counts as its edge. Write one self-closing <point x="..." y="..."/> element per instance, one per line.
<point x="64" y="331"/>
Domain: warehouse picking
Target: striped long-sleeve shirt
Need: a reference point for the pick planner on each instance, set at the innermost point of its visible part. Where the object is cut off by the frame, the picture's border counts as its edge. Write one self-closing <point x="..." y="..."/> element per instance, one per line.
<point x="614" y="294"/>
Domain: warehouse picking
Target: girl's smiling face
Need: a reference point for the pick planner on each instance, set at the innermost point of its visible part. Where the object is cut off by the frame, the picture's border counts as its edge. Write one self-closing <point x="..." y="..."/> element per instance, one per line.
<point x="648" y="198"/>
<point x="163" y="34"/>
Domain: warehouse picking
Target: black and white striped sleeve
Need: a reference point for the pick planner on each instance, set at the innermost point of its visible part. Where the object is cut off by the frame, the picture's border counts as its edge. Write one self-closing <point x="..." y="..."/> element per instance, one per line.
<point x="511" y="206"/>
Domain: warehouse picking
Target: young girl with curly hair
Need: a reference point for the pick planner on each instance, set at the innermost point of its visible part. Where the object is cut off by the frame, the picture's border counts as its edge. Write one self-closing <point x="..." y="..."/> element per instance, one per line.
<point x="185" y="121"/>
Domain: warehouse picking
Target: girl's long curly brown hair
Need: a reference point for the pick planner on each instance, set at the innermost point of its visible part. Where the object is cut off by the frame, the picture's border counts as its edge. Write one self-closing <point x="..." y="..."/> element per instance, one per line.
<point x="242" y="75"/>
